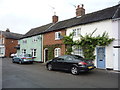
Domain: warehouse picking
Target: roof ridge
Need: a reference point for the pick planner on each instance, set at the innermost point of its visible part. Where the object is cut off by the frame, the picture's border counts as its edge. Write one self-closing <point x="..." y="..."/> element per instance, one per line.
<point x="41" y="26"/>
<point x="12" y="32"/>
<point x="99" y="15"/>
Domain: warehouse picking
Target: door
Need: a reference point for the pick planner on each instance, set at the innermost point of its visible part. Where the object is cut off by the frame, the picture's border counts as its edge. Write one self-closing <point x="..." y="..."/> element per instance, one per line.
<point x="101" y="57"/>
<point x="45" y="55"/>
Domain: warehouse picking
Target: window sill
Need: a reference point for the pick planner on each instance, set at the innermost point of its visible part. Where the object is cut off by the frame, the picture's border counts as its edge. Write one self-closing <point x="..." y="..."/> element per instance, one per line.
<point x="58" y="39"/>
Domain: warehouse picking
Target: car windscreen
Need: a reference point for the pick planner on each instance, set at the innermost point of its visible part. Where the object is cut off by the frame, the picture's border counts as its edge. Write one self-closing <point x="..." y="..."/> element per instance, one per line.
<point x="27" y="55"/>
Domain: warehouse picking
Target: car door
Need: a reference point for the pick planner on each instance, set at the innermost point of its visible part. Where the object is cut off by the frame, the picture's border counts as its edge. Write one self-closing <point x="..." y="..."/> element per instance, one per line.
<point x="60" y="63"/>
<point x="16" y="59"/>
<point x="57" y="63"/>
<point x="68" y="62"/>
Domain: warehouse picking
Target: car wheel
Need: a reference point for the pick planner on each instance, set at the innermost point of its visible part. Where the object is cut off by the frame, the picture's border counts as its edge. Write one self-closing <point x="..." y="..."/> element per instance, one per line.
<point x="49" y="67"/>
<point x="20" y="62"/>
<point x="74" y="70"/>
<point x="31" y="62"/>
<point x="13" y="61"/>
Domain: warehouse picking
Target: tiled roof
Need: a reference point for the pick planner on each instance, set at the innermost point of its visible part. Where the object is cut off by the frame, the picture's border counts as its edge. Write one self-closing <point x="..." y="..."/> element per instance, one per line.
<point x="11" y="35"/>
<point x="117" y="13"/>
<point x="108" y="13"/>
<point x="36" y="31"/>
<point x="104" y="14"/>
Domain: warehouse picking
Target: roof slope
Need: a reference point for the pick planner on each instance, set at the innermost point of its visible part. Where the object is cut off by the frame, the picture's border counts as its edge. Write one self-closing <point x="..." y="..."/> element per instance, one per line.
<point x="36" y="31"/>
<point x="108" y="13"/>
<point x="117" y="13"/>
<point x="11" y="35"/>
<point x="104" y="14"/>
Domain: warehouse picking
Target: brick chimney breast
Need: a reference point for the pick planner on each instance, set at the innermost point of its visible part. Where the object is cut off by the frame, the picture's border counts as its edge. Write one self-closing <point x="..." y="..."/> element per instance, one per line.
<point x="54" y="19"/>
<point x="80" y="10"/>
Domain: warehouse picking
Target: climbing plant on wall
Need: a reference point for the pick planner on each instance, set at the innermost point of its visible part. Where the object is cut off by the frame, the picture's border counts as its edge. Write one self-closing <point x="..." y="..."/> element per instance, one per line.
<point x="51" y="50"/>
<point x="88" y="43"/>
<point x="68" y="41"/>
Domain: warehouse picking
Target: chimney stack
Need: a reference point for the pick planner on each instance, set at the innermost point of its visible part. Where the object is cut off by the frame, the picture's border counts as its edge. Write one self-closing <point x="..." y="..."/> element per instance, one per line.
<point x="80" y="10"/>
<point x="54" y="19"/>
<point x="7" y="30"/>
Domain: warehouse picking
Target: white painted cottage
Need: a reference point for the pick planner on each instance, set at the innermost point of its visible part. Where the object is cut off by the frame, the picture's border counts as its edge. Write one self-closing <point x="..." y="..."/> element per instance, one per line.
<point x="104" y="20"/>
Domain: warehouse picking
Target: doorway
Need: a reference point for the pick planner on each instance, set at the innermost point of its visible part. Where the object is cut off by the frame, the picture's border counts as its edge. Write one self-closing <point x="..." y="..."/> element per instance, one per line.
<point x="45" y="54"/>
<point x="101" y="57"/>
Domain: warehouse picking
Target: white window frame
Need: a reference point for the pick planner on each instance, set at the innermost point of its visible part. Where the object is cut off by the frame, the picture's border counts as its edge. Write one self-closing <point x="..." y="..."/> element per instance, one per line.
<point x="24" y="41"/>
<point x="76" y="32"/>
<point x="34" y="52"/>
<point x="35" y="39"/>
<point x="57" y="37"/>
<point x="23" y="51"/>
<point x="2" y="40"/>
<point x="77" y="51"/>
<point x="1" y="50"/>
<point x="57" y="52"/>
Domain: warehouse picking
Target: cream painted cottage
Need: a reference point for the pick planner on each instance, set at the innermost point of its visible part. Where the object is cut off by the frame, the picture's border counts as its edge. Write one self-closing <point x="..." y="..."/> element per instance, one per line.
<point x="104" y="20"/>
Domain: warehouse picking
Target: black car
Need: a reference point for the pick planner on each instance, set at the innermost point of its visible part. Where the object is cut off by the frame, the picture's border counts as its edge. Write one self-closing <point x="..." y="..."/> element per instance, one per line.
<point x="73" y="63"/>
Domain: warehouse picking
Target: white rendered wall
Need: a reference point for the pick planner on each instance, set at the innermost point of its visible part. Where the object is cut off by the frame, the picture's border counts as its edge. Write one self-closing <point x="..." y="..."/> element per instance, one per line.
<point x="101" y="27"/>
<point x="116" y="28"/>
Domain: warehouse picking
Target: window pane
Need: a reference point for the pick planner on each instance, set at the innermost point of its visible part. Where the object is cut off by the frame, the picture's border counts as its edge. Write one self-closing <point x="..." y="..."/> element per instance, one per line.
<point x="57" y="35"/>
<point x="57" y="52"/>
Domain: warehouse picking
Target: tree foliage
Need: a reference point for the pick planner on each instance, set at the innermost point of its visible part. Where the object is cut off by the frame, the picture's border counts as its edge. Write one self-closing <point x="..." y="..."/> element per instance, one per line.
<point x="68" y="41"/>
<point x="88" y="43"/>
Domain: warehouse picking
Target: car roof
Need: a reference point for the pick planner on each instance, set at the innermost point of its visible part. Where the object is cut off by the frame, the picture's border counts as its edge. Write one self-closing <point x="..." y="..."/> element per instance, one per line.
<point x="71" y="55"/>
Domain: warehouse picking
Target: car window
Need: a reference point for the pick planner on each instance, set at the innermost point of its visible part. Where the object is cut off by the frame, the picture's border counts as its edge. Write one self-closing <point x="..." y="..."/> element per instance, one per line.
<point x="63" y="57"/>
<point x="60" y="59"/>
<point x="57" y="59"/>
<point x="77" y="57"/>
<point x="69" y="58"/>
<point x="27" y="55"/>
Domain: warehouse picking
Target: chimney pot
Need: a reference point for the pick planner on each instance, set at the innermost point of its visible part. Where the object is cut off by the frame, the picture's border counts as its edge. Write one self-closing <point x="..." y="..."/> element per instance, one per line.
<point x="80" y="10"/>
<point x="7" y="30"/>
<point x="82" y="5"/>
<point x="78" y="6"/>
<point x="54" y="19"/>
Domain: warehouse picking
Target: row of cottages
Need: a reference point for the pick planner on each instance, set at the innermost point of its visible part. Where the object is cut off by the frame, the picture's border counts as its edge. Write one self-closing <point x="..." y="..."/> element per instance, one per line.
<point x="45" y="42"/>
<point x="8" y="42"/>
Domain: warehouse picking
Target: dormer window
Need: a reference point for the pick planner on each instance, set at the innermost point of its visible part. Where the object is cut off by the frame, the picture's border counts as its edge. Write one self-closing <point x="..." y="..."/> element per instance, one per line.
<point x="57" y="35"/>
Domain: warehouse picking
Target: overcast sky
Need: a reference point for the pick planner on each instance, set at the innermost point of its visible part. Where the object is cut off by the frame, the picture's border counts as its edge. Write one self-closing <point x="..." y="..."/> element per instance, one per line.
<point x="22" y="15"/>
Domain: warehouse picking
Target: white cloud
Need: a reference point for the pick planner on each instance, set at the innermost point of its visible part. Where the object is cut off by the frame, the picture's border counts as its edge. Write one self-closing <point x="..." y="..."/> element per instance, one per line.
<point x="22" y="15"/>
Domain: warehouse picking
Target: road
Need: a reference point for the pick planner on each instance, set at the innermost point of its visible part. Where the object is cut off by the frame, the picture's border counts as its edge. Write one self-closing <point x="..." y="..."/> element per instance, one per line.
<point x="36" y="76"/>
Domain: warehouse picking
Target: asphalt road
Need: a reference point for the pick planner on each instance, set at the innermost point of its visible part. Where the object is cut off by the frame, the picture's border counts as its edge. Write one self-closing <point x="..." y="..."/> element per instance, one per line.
<point x="36" y="76"/>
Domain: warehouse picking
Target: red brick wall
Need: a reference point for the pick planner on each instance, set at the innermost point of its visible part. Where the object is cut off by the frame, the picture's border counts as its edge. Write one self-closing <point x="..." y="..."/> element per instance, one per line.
<point x="9" y="47"/>
<point x="49" y="39"/>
